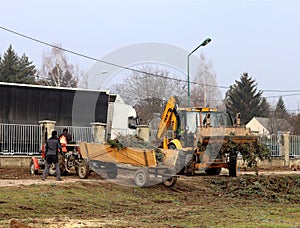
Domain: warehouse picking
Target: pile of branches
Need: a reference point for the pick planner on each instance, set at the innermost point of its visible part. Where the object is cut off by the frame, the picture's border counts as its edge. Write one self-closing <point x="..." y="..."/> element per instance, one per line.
<point x="121" y="142"/>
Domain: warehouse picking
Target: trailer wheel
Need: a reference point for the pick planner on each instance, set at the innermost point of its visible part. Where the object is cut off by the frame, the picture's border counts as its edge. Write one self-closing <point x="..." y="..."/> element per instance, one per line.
<point x="169" y="181"/>
<point x="232" y="164"/>
<point x="83" y="170"/>
<point x="33" y="171"/>
<point x="112" y="173"/>
<point x="141" y="177"/>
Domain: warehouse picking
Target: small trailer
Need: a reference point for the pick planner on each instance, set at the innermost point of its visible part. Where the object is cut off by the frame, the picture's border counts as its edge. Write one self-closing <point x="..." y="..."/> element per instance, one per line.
<point x="142" y="163"/>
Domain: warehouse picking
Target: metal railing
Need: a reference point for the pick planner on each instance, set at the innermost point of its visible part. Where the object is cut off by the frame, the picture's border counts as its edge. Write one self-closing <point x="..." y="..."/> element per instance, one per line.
<point x="20" y="139"/>
<point x="294" y="146"/>
<point x="272" y="142"/>
<point x="79" y="134"/>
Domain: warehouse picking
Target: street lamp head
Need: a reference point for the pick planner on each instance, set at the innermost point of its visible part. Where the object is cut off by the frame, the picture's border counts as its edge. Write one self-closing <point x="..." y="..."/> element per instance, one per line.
<point x="205" y="42"/>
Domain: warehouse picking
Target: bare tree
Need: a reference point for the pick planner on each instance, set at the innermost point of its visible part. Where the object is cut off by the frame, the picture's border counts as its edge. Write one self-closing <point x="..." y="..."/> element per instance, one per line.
<point x="56" y="71"/>
<point x="205" y="91"/>
<point x="148" y="92"/>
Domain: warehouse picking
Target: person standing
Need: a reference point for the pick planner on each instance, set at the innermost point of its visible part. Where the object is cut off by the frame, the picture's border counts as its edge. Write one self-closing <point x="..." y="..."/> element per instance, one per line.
<point x="52" y="148"/>
<point x="64" y="139"/>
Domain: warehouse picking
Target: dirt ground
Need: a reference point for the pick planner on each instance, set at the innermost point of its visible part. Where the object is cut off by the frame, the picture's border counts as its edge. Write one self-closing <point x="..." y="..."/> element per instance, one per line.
<point x="14" y="176"/>
<point x="179" y="206"/>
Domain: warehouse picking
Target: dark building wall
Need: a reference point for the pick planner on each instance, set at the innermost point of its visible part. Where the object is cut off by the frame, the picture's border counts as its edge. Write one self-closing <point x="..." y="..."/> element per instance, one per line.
<point x="22" y="104"/>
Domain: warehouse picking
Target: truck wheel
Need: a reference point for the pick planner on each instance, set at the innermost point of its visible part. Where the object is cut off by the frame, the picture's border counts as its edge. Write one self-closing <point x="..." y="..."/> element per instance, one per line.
<point x="112" y="173"/>
<point x="83" y="170"/>
<point x="33" y="171"/>
<point x="213" y="171"/>
<point x="141" y="177"/>
<point x="232" y="164"/>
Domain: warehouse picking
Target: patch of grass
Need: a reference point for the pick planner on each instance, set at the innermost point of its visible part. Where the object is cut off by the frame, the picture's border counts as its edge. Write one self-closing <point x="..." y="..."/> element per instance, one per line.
<point x="193" y="202"/>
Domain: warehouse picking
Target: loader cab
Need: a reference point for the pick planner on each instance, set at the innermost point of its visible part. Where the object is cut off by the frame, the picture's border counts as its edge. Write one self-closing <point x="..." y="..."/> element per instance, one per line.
<point x="193" y="118"/>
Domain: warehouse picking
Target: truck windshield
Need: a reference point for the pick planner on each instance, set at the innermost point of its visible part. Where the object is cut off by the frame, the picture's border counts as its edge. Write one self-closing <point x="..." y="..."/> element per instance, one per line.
<point x="218" y="119"/>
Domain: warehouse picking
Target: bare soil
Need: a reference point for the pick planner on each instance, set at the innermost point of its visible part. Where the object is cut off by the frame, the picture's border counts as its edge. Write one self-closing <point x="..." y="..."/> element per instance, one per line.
<point x="270" y="199"/>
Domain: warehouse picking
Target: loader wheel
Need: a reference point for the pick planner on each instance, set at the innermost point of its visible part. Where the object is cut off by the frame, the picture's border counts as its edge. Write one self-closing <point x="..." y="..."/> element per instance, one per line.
<point x="83" y="170"/>
<point x="213" y="171"/>
<point x="112" y="173"/>
<point x="233" y="164"/>
<point x="33" y="171"/>
<point x="141" y="177"/>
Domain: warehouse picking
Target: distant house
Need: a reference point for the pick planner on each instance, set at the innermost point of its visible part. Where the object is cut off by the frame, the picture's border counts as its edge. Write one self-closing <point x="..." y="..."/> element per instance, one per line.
<point x="266" y="126"/>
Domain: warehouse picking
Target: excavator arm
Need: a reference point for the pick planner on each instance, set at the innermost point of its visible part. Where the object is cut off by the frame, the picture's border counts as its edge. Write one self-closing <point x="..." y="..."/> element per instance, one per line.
<point x="169" y="120"/>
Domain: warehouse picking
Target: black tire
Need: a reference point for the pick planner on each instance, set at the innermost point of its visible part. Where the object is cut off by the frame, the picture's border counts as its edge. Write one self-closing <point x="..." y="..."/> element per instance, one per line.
<point x="112" y="173"/>
<point x="83" y="170"/>
<point x="213" y="171"/>
<point x="172" y="146"/>
<point x="232" y="164"/>
<point x="62" y="165"/>
<point x="170" y="182"/>
<point x="141" y="178"/>
<point x="52" y="170"/>
<point x="33" y="171"/>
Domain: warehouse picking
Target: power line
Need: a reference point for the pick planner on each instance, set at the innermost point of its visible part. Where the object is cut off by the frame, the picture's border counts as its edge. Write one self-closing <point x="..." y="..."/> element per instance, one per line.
<point x="281" y="91"/>
<point x="102" y="61"/>
<point x="136" y="70"/>
<point x="286" y="95"/>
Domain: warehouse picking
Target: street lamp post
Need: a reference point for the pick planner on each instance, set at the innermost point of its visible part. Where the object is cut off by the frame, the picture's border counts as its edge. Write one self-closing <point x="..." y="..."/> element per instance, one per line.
<point x="205" y="42"/>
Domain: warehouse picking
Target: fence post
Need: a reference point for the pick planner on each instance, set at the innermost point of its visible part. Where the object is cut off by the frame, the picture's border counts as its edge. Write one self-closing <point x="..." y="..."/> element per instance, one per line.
<point x="98" y="130"/>
<point x="143" y="132"/>
<point x="47" y="128"/>
<point x="285" y="145"/>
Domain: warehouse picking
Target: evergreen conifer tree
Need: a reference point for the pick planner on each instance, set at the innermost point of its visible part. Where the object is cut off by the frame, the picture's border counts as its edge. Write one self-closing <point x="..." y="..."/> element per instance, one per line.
<point x="16" y="69"/>
<point x="244" y="97"/>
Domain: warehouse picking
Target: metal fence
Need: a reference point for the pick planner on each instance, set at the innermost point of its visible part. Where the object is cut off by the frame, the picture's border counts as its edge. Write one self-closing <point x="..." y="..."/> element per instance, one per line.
<point x="79" y="134"/>
<point x="273" y="143"/>
<point x="20" y="139"/>
<point x="294" y="145"/>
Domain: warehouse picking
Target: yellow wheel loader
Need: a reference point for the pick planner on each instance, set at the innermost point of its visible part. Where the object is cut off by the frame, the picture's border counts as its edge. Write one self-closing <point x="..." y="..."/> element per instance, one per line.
<point x="204" y="135"/>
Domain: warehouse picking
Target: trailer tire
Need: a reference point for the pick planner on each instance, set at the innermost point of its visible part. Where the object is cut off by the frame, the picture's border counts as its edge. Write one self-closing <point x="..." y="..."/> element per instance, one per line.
<point x="112" y="173"/>
<point x="141" y="177"/>
<point x="232" y="164"/>
<point x="33" y="171"/>
<point x="83" y="170"/>
<point x="170" y="182"/>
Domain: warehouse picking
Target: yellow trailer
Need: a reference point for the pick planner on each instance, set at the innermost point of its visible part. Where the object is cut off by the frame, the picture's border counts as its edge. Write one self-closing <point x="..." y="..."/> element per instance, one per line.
<point x="142" y="162"/>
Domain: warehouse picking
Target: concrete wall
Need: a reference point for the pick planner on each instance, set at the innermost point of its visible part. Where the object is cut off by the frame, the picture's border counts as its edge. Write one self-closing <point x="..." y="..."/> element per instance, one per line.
<point x="12" y="161"/>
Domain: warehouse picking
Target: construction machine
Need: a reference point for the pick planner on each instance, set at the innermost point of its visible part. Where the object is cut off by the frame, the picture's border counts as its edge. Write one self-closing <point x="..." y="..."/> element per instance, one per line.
<point x="204" y="135"/>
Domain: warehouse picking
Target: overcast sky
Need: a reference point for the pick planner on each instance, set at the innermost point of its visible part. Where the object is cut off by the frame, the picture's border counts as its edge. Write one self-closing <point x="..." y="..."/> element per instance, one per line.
<point x="258" y="37"/>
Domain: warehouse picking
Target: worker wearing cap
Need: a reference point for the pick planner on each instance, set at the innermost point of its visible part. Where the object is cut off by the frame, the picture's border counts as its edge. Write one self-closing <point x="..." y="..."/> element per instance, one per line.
<point x="52" y="148"/>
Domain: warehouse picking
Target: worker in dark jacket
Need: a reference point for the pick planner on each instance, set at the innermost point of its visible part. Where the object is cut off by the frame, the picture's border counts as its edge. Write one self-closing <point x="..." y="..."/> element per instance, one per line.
<point x="52" y="148"/>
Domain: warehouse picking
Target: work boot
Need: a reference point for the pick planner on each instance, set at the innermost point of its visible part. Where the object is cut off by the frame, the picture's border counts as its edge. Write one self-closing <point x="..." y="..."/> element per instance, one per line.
<point x="59" y="179"/>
